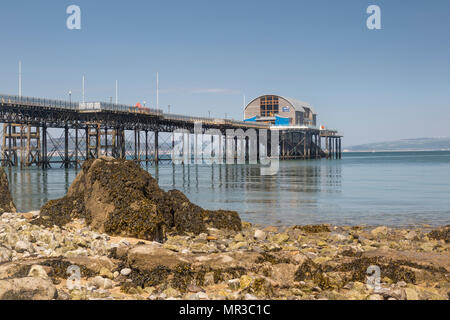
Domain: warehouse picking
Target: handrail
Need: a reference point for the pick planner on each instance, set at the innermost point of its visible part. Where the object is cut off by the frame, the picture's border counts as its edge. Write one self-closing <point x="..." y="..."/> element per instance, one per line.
<point x="38" y="102"/>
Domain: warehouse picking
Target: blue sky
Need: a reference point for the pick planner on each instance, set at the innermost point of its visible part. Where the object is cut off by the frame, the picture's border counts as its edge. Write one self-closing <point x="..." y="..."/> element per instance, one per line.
<point x="374" y="85"/>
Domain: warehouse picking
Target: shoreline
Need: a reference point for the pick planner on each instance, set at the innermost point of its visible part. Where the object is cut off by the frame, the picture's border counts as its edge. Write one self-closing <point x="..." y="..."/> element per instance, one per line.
<point x="296" y="262"/>
<point x="116" y="235"/>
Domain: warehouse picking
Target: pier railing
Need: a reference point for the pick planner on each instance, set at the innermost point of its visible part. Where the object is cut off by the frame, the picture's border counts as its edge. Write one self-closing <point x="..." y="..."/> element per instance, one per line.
<point x="38" y="102"/>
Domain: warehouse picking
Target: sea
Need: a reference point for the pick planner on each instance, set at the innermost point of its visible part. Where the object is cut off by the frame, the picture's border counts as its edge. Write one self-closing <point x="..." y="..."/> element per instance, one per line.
<point x="398" y="189"/>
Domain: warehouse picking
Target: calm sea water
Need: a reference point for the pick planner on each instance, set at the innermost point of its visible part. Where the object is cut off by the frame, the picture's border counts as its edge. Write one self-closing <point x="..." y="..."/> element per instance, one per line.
<point x="392" y="188"/>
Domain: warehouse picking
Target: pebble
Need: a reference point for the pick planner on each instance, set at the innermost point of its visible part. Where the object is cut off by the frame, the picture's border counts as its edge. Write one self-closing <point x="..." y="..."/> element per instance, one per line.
<point x="202" y="295"/>
<point x="22" y="246"/>
<point x="38" y="271"/>
<point x="125" y="272"/>
<point x="101" y="283"/>
<point x="260" y="235"/>
<point x="162" y="296"/>
<point x="194" y="288"/>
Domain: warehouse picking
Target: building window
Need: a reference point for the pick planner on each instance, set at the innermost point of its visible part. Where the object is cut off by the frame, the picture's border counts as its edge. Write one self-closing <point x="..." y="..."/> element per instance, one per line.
<point x="269" y="106"/>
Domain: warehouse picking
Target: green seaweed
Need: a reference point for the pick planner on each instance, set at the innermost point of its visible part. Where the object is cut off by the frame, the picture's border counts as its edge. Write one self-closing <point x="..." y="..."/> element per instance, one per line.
<point x="314" y="228"/>
<point x="440" y="234"/>
<point x="267" y="257"/>
<point x="394" y="270"/>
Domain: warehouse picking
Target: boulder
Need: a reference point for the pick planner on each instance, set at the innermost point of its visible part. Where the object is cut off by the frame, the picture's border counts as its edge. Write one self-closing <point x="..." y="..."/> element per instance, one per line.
<point x="284" y="273"/>
<point x="6" y="202"/>
<point x="27" y="288"/>
<point x="118" y="197"/>
<point x="5" y="255"/>
<point x="379" y="231"/>
<point x="148" y="257"/>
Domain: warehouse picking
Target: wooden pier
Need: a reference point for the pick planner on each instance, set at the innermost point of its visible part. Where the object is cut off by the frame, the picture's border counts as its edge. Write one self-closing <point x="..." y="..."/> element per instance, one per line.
<point x="49" y="133"/>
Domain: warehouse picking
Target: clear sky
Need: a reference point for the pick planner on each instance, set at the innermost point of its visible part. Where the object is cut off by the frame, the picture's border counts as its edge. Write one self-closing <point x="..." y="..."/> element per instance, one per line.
<point x="373" y="85"/>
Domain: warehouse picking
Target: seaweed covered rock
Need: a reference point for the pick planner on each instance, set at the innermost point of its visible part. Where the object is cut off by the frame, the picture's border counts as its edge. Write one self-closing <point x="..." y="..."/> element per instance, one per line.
<point x="186" y="216"/>
<point x="119" y="198"/>
<point x="61" y="211"/>
<point x="27" y="289"/>
<point x="112" y="196"/>
<point x="6" y="202"/>
<point x="222" y="219"/>
<point x="441" y="234"/>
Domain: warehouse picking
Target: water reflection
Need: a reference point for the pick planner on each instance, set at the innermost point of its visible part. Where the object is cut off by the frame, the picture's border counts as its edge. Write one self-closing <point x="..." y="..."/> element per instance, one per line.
<point x="257" y="198"/>
<point x="350" y="191"/>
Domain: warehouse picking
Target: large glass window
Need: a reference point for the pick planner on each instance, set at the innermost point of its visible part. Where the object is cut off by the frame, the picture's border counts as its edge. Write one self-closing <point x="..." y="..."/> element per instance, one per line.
<point x="269" y="106"/>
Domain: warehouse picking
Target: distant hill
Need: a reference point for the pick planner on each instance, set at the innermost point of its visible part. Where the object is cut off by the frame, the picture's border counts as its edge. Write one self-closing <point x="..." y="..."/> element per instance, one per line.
<point x="419" y="144"/>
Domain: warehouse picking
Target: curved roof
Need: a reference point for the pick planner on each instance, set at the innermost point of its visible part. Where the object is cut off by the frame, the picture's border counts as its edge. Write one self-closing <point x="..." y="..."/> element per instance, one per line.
<point x="297" y="104"/>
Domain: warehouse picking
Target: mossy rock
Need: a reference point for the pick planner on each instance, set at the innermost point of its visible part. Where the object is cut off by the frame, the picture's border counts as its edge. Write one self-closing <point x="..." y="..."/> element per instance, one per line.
<point x="440" y="234"/>
<point x="313" y="271"/>
<point x="60" y="212"/>
<point x="222" y="219"/>
<point x="118" y="197"/>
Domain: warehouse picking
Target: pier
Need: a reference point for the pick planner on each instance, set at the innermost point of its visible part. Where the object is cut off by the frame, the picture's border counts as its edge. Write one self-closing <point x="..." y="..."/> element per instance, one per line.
<point x="55" y="133"/>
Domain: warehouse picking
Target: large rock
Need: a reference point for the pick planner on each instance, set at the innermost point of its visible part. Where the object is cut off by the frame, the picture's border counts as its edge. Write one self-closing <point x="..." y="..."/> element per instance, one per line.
<point x="5" y="255"/>
<point x="6" y="202"/>
<point x="28" y="288"/>
<point x="119" y="198"/>
<point x="148" y="257"/>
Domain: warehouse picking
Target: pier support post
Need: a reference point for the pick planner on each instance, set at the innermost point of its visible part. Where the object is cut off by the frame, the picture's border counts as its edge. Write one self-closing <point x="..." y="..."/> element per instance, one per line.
<point x="135" y="145"/>
<point x="257" y="146"/>
<point x="320" y="142"/>
<point x="123" y="149"/>
<point x="336" y="142"/>
<point x="309" y="145"/>
<point x="305" y="146"/>
<point x="146" y="146"/>
<point x="157" y="148"/>
<point x="76" y="146"/>
<point x="66" y="147"/>
<point x="98" y="142"/>
<point x="44" y="147"/>
<point x="106" y="140"/>
<point x="331" y="149"/>
<point x="87" y="143"/>
<point x="334" y="147"/>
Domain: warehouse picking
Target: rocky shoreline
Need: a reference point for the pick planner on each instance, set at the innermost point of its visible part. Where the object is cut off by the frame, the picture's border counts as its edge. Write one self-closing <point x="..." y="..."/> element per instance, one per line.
<point x="301" y="262"/>
<point x="117" y="236"/>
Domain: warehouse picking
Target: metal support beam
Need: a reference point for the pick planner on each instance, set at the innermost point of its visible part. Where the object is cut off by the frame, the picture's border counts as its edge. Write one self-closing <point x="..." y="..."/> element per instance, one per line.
<point x="66" y="147"/>
<point x="157" y="148"/>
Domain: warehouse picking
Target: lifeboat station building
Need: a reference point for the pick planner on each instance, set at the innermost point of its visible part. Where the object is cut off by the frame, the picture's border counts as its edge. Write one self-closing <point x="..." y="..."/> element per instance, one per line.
<point x="280" y="111"/>
<point x="296" y="121"/>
